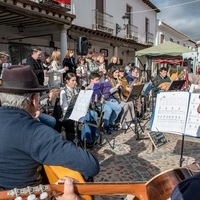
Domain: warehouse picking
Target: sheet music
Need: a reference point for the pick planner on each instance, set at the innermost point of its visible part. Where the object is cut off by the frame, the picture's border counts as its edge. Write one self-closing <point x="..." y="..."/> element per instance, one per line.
<point x="171" y="112"/>
<point x="81" y="106"/>
<point x="193" y="119"/>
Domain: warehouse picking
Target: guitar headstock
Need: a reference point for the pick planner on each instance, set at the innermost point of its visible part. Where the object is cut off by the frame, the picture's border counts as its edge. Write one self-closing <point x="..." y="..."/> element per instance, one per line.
<point x="32" y="193"/>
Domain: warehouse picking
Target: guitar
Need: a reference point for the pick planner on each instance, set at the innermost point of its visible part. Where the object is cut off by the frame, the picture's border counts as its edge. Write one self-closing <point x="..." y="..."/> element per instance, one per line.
<point x="158" y="188"/>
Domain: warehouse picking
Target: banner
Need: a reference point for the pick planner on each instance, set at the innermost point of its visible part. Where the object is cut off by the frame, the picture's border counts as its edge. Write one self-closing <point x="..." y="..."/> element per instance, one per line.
<point x="68" y="2"/>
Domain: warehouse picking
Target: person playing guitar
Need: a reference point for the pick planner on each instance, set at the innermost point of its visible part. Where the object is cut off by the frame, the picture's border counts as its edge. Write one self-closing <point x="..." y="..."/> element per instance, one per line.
<point x="162" y="80"/>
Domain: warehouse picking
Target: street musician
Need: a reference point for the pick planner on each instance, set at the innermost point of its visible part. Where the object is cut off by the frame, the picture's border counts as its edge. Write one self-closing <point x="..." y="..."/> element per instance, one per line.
<point x="162" y="81"/>
<point x="133" y="78"/>
<point x="126" y="88"/>
<point x="128" y="113"/>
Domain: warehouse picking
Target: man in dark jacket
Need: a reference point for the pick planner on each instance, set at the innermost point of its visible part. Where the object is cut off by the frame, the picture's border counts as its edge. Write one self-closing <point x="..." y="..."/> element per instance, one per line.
<point x="26" y="143"/>
<point x="35" y="63"/>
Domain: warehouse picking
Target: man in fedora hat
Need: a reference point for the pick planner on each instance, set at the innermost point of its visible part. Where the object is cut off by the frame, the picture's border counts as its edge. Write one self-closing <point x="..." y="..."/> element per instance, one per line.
<point x="26" y="143"/>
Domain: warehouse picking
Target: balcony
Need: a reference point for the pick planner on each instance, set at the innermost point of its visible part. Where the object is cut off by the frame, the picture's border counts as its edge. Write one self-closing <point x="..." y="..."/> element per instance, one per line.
<point x="55" y="5"/>
<point x="132" y="32"/>
<point x="102" y="22"/>
<point x="149" y="38"/>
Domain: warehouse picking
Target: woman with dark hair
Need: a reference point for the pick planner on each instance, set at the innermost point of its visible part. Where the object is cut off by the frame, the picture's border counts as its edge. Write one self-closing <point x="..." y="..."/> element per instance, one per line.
<point x="67" y="95"/>
<point x="69" y="62"/>
<point x="116" y="93"/>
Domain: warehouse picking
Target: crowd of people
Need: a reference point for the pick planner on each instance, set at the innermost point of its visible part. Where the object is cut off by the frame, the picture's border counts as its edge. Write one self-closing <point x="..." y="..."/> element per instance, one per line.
<point x="31" y="135"/>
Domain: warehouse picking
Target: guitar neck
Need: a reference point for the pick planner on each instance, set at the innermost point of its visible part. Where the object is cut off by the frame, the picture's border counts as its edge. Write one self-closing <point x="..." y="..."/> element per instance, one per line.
<point x="136" y="189"/>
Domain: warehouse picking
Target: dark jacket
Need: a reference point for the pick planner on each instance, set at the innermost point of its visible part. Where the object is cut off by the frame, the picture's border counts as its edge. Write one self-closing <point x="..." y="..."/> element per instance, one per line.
<point x="26" y="143"/>
<point x="37" y="68"/>
<point x="69" y="62"/>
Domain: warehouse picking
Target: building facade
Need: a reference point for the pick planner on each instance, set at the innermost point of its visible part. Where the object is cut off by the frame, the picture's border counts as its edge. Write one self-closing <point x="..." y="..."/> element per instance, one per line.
<point x="48" y="24"/>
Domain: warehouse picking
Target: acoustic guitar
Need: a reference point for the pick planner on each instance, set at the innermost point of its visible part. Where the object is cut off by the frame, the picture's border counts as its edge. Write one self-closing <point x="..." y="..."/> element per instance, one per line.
<point x="158" y="188"/>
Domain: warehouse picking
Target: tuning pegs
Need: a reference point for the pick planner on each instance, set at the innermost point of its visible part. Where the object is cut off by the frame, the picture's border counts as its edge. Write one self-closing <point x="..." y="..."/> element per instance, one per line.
<point x="31" y="197"/>
<point x="43" y="195"/>
<point x="18" y="198"/>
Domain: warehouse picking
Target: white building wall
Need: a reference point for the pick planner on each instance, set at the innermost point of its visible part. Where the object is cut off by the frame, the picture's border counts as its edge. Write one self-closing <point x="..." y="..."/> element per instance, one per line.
<point x="117" y="8"/>
<point x="84" y="12"/>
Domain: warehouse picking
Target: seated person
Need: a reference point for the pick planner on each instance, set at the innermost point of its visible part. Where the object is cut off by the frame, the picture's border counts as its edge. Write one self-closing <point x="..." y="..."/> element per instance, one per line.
<point x="126" y="87"/>
<point x="133" y="76"/>
<point x="128" y="114"/>
<point x="162" y="81"/>
<point x="66" y="96"/>
<point x="28" y="143"/>
<point x="111" y="109"/>
<point x="133" y="80"/>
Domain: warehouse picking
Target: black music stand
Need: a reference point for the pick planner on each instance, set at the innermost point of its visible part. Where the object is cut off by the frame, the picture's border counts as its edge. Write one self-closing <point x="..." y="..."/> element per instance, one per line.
<point x="133" y="96"/>
<point x="176" y="85"/>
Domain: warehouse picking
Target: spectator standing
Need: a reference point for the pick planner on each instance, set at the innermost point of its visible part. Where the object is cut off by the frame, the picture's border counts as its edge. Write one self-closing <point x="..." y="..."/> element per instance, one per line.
<point x="91" y="65"/>
<point x="114" y="61"/>
<point x="35" y="63"/>
<point x="81" y="72"/>
<point x="4" y="61"/>
<point x="55" y="72"/>
<point x="69" y="62"/>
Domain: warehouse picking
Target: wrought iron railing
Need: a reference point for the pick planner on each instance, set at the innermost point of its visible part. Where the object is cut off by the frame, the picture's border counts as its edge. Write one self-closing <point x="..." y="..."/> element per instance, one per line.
<point x="132" y="32"/>
<point x="102" y="22"/>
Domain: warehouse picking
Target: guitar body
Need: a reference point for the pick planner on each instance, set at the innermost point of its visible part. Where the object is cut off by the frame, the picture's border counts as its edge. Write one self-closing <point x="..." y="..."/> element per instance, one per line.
<point x="56" y="172"/>
<point x="161" y="186"/>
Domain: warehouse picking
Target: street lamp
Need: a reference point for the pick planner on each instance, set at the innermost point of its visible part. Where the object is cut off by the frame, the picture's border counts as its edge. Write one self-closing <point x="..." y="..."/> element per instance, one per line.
<point x="125" y="23"/>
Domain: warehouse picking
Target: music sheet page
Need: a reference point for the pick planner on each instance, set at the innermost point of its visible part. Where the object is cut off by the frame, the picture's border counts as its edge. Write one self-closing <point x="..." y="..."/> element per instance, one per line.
<point x="81" y="106"/>
<point x="170" y="112"/>
<point x="193" y="119"/>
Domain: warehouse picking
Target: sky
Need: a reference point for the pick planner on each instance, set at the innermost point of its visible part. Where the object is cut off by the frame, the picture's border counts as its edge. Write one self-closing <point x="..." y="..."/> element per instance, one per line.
<point x="183" y="15"/>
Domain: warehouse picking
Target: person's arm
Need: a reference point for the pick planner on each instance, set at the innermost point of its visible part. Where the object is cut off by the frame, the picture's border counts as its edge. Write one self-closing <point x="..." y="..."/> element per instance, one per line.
<point x="49" y="147"/>
<point x="64" y="100"/>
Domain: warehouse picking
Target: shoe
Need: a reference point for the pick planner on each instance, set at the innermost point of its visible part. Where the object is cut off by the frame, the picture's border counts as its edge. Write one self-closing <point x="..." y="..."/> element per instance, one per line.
<point x="112" y="127"/>
<point x="132" y="125"/>
<point x="107" y="130"/>
<point x="124" y="126"/>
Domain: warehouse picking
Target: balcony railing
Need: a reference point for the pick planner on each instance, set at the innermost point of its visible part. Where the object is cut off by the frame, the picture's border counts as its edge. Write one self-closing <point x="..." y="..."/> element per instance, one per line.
<point x="102" y="22"/>
<point x="132" y="32"/>
<point x="149" y="38"/>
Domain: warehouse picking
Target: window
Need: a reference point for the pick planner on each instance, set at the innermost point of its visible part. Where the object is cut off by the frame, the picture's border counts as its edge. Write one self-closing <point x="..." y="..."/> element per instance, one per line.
<point x="162" y="37"/>
<point x="147" y="28"/>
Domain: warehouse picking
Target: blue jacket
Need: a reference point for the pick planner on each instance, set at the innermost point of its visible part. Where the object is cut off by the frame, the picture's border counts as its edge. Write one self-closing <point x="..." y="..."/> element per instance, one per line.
<point x="26" y="143"/>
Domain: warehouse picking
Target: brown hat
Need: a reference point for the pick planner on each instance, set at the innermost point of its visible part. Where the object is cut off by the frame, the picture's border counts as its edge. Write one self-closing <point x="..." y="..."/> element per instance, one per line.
<point x="19" y="79"/>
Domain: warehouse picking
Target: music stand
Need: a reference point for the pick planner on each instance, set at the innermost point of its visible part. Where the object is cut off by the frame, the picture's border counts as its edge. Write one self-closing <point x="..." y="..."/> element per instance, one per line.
<point x="176" y="85"/>
<point x="135" y="92"/>
<point x="133" y="96"/>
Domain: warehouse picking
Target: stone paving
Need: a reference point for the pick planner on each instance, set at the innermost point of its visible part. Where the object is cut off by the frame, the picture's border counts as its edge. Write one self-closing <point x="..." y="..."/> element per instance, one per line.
<point x="135" y="160"/>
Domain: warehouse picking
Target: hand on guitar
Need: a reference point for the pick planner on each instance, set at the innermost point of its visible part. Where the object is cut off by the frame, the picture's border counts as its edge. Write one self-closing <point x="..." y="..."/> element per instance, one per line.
<point x="69" y="193"/>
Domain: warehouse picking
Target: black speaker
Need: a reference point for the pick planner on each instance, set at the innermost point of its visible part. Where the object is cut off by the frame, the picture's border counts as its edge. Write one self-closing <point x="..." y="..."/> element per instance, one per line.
<point x="82" y="46"/>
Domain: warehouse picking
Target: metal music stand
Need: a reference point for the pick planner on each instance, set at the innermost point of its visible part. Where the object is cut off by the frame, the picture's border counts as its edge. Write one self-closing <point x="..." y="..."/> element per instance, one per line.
<point x="135" y="93"/>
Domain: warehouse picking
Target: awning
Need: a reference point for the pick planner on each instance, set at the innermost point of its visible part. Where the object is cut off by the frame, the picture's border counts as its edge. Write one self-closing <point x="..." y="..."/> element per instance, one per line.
<point x="170" y="61"/>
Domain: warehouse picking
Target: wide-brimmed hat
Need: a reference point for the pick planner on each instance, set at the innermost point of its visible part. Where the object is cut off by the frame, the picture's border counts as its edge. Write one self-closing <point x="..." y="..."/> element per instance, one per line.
<point x="19" y="79"/>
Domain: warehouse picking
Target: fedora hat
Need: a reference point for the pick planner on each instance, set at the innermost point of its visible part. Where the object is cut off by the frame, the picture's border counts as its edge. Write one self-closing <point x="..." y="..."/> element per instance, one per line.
<point x="19" y="79"/>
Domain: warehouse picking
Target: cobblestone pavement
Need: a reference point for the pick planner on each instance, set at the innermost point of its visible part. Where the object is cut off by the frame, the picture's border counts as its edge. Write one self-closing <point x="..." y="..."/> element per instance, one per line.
<point x="135" y="160"/>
